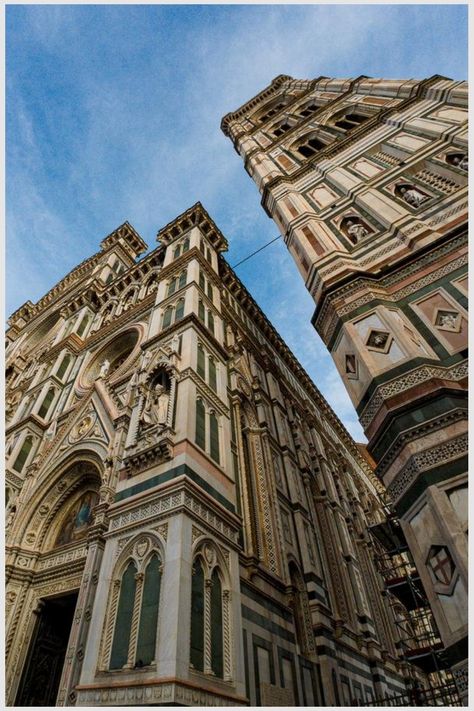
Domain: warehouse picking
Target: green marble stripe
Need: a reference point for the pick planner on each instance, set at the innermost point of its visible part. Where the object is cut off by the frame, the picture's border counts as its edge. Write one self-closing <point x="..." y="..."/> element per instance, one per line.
<point x="173" y="474"/>
<point x="267" y="624"/>
<point x="264" y="601"/>
<point x="413" y="416"/>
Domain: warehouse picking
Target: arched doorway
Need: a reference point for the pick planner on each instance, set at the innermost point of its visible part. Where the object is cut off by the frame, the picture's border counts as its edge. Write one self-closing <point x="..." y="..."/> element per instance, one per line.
<point x="59" y="521"/>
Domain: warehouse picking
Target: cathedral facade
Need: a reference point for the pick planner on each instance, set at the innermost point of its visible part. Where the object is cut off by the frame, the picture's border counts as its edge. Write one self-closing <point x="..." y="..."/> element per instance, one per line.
<point x="366" y="180"/>
<point x="187" y="519"/>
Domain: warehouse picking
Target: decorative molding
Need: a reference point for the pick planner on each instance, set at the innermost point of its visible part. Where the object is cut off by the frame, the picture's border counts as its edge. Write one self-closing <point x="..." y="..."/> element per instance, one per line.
<point x="154" y="694"/>
<point x="429" y="458"/>
<point x="54" y="560"/>
<point x="404" y="382"/>
<point x="169" y="504"/>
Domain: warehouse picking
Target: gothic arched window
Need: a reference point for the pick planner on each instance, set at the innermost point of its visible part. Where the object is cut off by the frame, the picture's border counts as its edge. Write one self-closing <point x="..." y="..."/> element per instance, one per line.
<point x="149" y="613"/>
<point x="201" y="361"/>
<point x="200" y="424"/>
<point x="207" y="630"/>
<point x="83" y="324"/>
<point x="308" y="110"/>
<point x="217" y="649"/>
<point x="63" y="366"/>
<point x="135" y="614"/>
<point x="210" y="321"/>
<point x="308" y="146"/>
<point x="167" y="316"/>
<point x="182" y="280"/>
<point x="214" y="437"/>
<point x="123" y="620"/>
<point x="349" y="121"/>
<point x="172" y="286"/>
<point x="22" y="456"/>
<point x="197" y="616"/>
<point x="212" y="374"/>
<point x="179" y="313"/>
<point x="46" y="404"/>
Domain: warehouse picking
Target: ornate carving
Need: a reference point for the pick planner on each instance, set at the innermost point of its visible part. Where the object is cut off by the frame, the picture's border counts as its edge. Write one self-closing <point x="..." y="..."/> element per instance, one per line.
<point x="425" y="460"/>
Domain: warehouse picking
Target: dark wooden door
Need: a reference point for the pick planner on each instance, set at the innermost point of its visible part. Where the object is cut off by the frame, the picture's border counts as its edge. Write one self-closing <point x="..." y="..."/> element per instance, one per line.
<point x="42" y="673"/>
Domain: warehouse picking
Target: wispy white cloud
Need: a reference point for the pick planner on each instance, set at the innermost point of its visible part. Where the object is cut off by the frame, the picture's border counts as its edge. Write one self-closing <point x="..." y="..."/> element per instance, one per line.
<point x="114" y="113"/>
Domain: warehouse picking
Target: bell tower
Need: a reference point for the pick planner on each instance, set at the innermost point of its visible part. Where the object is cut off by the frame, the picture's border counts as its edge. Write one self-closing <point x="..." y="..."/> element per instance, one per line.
<point x="366" y="180"/>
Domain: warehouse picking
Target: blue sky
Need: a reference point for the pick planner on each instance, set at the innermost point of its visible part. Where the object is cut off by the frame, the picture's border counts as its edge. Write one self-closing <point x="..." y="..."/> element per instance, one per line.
<point x="113" y="114"/>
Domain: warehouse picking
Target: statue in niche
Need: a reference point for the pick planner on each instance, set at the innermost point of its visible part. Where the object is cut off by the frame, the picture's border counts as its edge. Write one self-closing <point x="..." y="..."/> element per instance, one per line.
<point x="78" y="519"/>
<point x="104" y="368"/>
<point x="411" y="195"/>
<point x="157" y="398"/>
<point x="355" y="229"/>
<point x="459" y="160"/>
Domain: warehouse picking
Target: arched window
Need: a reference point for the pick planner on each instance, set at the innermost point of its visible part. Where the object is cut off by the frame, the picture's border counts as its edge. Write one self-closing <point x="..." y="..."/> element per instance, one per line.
<point x="177" y="251"/>
<point x="201" y="311"/>
<point x="201" y="246"/>
<point x="83" y="325"/>
<point x="63" y="366"/>
<point x="217" y="650"/>
<point x="272" y="110"/>
<point x="167" y="316"/>
<point x="207" y="652"/>
<point x="201" y="367"/>
<point x="214" y="437"/>
<point x="172" y="286"/>
<point x="197" y="616"/>
<point x="309" y="147"/>
<point x="186" y="245"/>
<point x="202" y="282"/>
<point x="308" y="110"/>
<point x="182" y="280"/>
<point x="200" y="424"/>
<point x="149" y="613"/>
<point x="210" y="293"/>
<point x="46" y="404"/>
<point x="350" y="121"/>
<point x="212" y="374"/>
<point x="179" y="313"/>
<point x="23" y="454"/>
<point x="210" y="321"/>
<point x="123" y="620"/>
<point x="282" y="128"/>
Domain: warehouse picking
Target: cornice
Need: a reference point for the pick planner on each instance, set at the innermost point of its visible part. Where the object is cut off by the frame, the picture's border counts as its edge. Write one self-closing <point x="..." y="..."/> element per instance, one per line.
<point x="195" y="216"/>
<point x="129" y="235"/>
<point x="263" y="95"/>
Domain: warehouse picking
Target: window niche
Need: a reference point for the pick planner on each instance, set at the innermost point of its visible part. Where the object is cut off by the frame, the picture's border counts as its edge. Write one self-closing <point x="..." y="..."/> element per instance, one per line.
<point x="458" y="160"/>
<point x="355" y="229"/>
<point x="411" y="194"/>
<point x="308" y="146"/>
<point x="156" y="398"/>
<point x="131" y="625"/>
